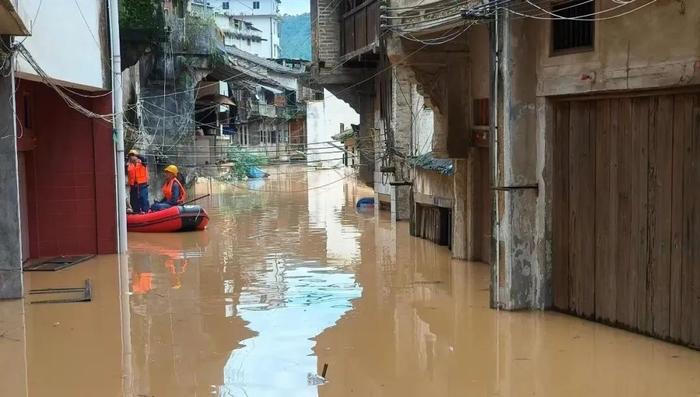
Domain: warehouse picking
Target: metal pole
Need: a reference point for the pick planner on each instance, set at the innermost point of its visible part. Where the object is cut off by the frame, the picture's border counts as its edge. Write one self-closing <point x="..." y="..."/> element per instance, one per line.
<point x="118" y="124"/>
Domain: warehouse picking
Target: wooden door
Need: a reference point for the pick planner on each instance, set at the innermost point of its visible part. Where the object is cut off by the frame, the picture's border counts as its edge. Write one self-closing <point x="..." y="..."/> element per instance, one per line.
<point x="626" y="213"/>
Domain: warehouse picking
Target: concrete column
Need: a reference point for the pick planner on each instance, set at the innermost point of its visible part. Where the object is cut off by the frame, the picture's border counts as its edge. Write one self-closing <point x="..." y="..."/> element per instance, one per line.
<point x="400" y="203"/>
<point x="519" y="274"/>
<point x="402" y="120"/>
<point x="460" y="222"/>
<point x="365" y="142"/>
<point x="473" y="215"/>
<point x="11" y="241"/>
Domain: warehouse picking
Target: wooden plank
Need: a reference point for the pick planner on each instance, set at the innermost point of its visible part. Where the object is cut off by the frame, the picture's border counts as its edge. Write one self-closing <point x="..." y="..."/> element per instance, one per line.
<point x="574" y="184"/>
<point x="560" y="209"/>
<point x="361" y="28"/>
<point x="641" y="108"/>
<point x="626" y="280"/>
<point x="372" y="21"/>
<point x="689" y="218"/>
<point x="614" y="202"/>
<point x="604" y="221"/>
<point x="694" y="226"/>
<point x="582" y="199"/>
<point x="660" y="180"/>
<point x="682" y="108"/>
<point x="349" y="36"/>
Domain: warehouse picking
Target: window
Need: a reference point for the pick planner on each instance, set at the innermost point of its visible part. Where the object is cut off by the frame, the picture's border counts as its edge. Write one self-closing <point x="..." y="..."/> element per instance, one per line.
<point x="567" y="34"/>
<point x="256" y="5"/>
<point x="224" y="5"/>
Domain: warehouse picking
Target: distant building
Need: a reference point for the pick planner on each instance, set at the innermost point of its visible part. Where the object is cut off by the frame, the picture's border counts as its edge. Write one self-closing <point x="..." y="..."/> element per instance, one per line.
<point x="241" y="34"/>
<point x="263" y="14"/>
<point x="324" y="119"/>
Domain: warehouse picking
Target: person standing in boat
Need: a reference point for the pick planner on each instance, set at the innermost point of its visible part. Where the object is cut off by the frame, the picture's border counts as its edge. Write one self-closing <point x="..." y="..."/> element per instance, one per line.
<point x="138" y="182"/>
<point x="173" y="191"/>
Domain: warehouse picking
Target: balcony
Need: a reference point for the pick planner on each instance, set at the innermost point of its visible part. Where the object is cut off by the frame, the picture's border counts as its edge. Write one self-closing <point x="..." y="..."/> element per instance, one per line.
<point x="263" y="110"/>
<point x="12" y="18"/>
<point x="291" y="112"/>
<point x="359" y="27"/>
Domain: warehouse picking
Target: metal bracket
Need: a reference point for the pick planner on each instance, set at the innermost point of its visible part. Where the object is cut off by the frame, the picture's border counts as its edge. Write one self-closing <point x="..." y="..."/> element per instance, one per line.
<point x="516" y="187"/>
<point x="86" y="297"/>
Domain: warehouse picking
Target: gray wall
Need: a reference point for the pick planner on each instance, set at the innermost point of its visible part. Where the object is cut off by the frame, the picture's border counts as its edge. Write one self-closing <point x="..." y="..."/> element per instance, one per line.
<point x="10" y="243"/>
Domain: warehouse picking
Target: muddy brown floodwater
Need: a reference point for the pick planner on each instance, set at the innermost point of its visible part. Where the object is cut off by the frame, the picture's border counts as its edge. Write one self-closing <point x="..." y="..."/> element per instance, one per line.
<point x="288" y="279"/>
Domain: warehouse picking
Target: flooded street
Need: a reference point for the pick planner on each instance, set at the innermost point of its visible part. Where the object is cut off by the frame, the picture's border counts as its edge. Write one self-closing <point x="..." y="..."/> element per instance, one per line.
<point x="290" y="277"/>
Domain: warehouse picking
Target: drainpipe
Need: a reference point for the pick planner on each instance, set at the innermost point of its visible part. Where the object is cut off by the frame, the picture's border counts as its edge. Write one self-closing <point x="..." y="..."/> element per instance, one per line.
<point x="117" y="107"/>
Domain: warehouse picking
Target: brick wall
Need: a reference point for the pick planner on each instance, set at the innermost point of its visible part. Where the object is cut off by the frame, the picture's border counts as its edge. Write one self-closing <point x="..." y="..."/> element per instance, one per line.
<point x="325" y="17"/>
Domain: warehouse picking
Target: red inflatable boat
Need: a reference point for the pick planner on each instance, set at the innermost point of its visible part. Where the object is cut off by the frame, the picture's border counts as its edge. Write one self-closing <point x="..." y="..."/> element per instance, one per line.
<point x="184" y="218"/>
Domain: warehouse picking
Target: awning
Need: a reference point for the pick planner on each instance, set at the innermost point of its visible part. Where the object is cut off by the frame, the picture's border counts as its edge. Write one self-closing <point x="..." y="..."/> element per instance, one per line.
<point x="427" y="162"/>
<point x="272" y="90"/>
<point x="217" y="99"/>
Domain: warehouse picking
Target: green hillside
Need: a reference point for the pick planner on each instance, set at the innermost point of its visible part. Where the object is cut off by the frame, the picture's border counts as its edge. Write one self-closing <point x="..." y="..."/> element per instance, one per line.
<point x="295" y="36"/>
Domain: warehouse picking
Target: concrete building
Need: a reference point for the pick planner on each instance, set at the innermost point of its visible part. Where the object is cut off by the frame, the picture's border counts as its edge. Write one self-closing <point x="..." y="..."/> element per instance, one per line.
<point x="58" y="163"/>
<point x="324" y="119"/>
<point x="263" y="14"/>
<point x="559" y="148"/>
<point x="271" y="112"/>
<point x="241" y="34"/>
<point x="346" y="63"/>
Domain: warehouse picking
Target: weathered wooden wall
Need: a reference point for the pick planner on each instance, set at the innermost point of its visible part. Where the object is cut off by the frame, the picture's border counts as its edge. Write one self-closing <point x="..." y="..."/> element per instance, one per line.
<point x="434" y="224"/>
<point x="626" y="213"/>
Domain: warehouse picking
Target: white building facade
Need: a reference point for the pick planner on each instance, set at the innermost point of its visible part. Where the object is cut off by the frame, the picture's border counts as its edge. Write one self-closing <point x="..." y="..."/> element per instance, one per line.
<point x="263" y="15"/>
<point x="324" y="119"/>
<point x="241" y="34"/>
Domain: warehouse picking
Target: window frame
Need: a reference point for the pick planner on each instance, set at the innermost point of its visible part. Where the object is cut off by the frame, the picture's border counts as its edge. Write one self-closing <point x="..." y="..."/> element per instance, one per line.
<point x="575" y="50"/>
<point x="256" y="5"/>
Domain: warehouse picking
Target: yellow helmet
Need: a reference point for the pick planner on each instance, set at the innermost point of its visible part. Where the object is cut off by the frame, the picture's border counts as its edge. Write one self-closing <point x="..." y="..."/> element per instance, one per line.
<point x="171" y="169"/>
<point x="133" y="152"/>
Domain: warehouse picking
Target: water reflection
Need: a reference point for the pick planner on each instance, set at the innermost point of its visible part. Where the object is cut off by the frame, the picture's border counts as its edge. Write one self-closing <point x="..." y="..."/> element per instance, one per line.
<point x="279" y="358"/>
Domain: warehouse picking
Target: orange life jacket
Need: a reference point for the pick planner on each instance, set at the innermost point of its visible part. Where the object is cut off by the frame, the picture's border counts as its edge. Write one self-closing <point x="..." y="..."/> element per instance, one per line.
<point x="142" y="283"/>
<point x="138" y="174"/>
<point x="168" y="191"/>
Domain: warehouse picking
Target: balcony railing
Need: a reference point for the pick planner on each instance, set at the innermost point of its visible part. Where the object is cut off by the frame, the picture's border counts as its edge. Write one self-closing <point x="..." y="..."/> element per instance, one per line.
<point x="359" y="26"/>
<point x="263" y="110"/>
<point x="291" y="112"/>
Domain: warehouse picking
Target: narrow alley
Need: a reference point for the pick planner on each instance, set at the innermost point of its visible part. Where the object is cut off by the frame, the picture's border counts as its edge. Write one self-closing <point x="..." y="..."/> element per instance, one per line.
<point x="289" y="277"/>
<point x="335" y="198"/>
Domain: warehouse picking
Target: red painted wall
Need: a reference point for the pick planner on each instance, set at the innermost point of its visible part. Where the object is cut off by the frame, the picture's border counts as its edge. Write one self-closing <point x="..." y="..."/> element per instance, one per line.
<point x="70" y="174"/>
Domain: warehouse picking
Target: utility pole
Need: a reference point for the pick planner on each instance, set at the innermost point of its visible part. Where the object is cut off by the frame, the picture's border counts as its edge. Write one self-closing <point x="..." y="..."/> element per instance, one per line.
<point x="117" y="108"/>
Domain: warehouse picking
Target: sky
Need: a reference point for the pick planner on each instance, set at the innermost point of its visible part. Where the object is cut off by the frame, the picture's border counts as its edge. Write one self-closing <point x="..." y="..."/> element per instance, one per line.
<point x="294" y="7"/>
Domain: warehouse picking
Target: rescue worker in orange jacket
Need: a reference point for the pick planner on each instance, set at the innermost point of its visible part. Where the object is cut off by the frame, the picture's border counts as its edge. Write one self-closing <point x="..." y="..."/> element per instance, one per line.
<point x="173" y="191"/>
<point x="137" y="175"/>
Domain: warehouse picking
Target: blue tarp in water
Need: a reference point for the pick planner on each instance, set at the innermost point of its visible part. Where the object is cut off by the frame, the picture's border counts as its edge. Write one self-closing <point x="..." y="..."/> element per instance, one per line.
<point x="365" y="202"/>
<point x="256" y="173"/>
